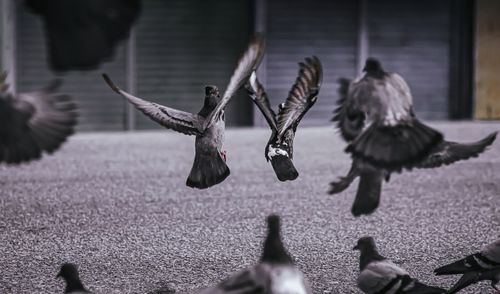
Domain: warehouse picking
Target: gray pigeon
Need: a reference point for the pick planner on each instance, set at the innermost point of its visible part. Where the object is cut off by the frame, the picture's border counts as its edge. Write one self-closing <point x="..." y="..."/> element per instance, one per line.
<point x="209" y="167"/>
<point x="302" y="96"/>
<point x="70" y="274"/>
<point x="274" y="274"/>
<point x="378" y="275"/>
<point x="352" y="124"/>
<point x="33" y="123"/>
<point x="480" y="266"/>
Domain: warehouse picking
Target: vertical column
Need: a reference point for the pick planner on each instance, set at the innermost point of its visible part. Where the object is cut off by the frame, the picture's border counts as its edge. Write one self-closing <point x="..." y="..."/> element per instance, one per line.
<point x="131" y="80"/>
<point x="8" y="44"/>
<point x="363" y="41"/>
<point x="487" y="104"/>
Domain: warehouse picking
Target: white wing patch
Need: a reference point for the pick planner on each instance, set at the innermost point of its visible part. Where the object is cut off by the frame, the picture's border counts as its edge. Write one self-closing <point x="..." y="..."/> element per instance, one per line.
<point x="271" y="152"/>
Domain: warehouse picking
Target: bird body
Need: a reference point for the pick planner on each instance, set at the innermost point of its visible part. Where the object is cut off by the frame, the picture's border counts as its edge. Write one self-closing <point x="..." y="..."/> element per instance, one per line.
<point x="378" y="275"/>
<point x="375" y="117"/>
<point x="274" y="274"/>
<point x="302" y="96"/>
<point x="209" y="166"/>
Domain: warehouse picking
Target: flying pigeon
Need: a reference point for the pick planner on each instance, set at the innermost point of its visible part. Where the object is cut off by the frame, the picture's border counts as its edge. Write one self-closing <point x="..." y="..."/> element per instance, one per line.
<point x="302" y="96"/>
<point x="274" y="274"/>
<point x="480" y="266"/>
<point x="82" y="34"/>
<point x="380" y="275"/>
<point x="74" y="285"/>
<point x="209" y="167"/>
<point x="33" y="123"/>
<point x="353" y="124"/>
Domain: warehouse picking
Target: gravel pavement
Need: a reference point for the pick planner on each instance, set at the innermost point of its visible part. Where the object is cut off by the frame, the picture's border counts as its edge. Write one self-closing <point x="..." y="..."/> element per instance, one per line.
<point x="116" y="204"/>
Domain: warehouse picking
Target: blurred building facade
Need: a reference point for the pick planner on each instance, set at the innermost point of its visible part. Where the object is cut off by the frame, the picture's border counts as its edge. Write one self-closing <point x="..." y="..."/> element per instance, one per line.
<point x="447" y="51"/>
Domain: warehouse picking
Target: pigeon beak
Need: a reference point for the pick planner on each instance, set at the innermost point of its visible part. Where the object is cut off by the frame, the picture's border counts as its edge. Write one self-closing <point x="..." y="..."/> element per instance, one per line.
<point x="355" y="247"/>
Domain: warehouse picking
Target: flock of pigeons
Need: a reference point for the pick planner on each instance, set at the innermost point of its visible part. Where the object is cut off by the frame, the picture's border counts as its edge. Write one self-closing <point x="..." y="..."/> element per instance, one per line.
<point x="374" y="116"/>
<point x="276" y="273"/>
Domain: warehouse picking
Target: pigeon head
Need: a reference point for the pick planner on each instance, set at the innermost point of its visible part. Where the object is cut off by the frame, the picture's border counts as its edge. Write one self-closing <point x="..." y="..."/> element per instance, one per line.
<point x="212" y="98"/>
<point x="274" y="251"/>
<point x="365" y="243"/>
<point x="68" y="270"/>
<point x="373" y="67"/>
<point x="69" y="273"/>
<point x="212" y="91"/>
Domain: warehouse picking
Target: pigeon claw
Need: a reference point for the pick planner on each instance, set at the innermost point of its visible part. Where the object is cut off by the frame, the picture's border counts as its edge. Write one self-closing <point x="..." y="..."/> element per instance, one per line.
<point x="223" y="155"/>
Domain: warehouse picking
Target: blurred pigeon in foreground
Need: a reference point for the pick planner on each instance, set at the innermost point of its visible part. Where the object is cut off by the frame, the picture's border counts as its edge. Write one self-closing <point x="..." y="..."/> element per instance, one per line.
<point x="209" y="167"/>
<point x="275" y="274"/>
<point x="302" y="96"/>
<point x="480" y="266"/>
<point x="380" y="275"/>
<point x="351" y="123"/>
<point x="33" y="123"/>
<point x="81" y="34"/>
<point x="73" y="283"/>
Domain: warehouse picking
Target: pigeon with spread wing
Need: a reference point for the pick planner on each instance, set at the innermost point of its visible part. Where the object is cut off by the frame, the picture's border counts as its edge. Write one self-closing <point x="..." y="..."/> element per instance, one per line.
<point x="353" y="122"/>
<point x="209" y="167"/>
<point x="302" y="96"/>
<point x="274" y="274"/>
<point x="33" y="123"/>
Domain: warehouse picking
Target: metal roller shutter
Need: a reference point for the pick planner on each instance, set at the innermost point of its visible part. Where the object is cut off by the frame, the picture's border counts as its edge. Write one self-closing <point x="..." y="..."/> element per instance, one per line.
<point x="100" y="108"/>
<point x="183" y="45"/>
<point x="412" y="38"/>
<point x="297" y="29"/>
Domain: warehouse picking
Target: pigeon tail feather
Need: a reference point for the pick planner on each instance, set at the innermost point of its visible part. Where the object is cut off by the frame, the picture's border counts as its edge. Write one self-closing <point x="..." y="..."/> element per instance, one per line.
<point x="368" y="194"/>
<point x="208" y="170"/>
<point x="395" y="147"/>
<point x="284" y="168"/>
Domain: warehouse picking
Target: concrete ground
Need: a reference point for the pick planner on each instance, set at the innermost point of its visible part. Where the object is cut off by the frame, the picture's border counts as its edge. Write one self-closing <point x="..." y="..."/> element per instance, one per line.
<point x="116" y="204"/>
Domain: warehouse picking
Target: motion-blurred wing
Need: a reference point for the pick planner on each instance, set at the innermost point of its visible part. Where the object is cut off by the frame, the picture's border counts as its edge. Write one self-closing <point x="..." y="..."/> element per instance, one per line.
<point x="259" y="97"/>
<point x="34" y="122"/>
<point x="449" y="152"/>
<point x="349" y="121"/>
<point x="246" y="65"/>
<point x="302" y="96"/>
<point x="180" y="121"/>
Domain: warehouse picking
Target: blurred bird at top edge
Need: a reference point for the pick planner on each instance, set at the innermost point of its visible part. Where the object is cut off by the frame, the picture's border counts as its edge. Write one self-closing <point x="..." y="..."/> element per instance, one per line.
<point x="81" y="34"/>
<point x="33" y="123"/>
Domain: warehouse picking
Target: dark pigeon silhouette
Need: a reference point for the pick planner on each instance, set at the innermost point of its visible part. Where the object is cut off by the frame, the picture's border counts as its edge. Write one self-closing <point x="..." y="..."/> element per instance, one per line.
<point x="274" y="274"/>
<point x="70" y="274"/>
<point x="302" y="96"/>
<point x="33" y="123"/>
<point x="353" y="122"/>
<point x="81" y="34"/>
<point x="378" y="275"/>
<point x="209" y="167"/>
<point x="480" y="266"/>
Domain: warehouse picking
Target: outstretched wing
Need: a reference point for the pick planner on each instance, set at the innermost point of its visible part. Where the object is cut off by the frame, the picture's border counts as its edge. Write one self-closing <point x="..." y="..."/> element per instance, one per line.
<point x="246" y="65"/>
<point x="303" y="94"/>
<point x="35" y="122"/>
<point x="177" y="120"/>
<point x="449" y="152"/>
<point x="259" y="97"/>
<point x="349" y="121"/>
